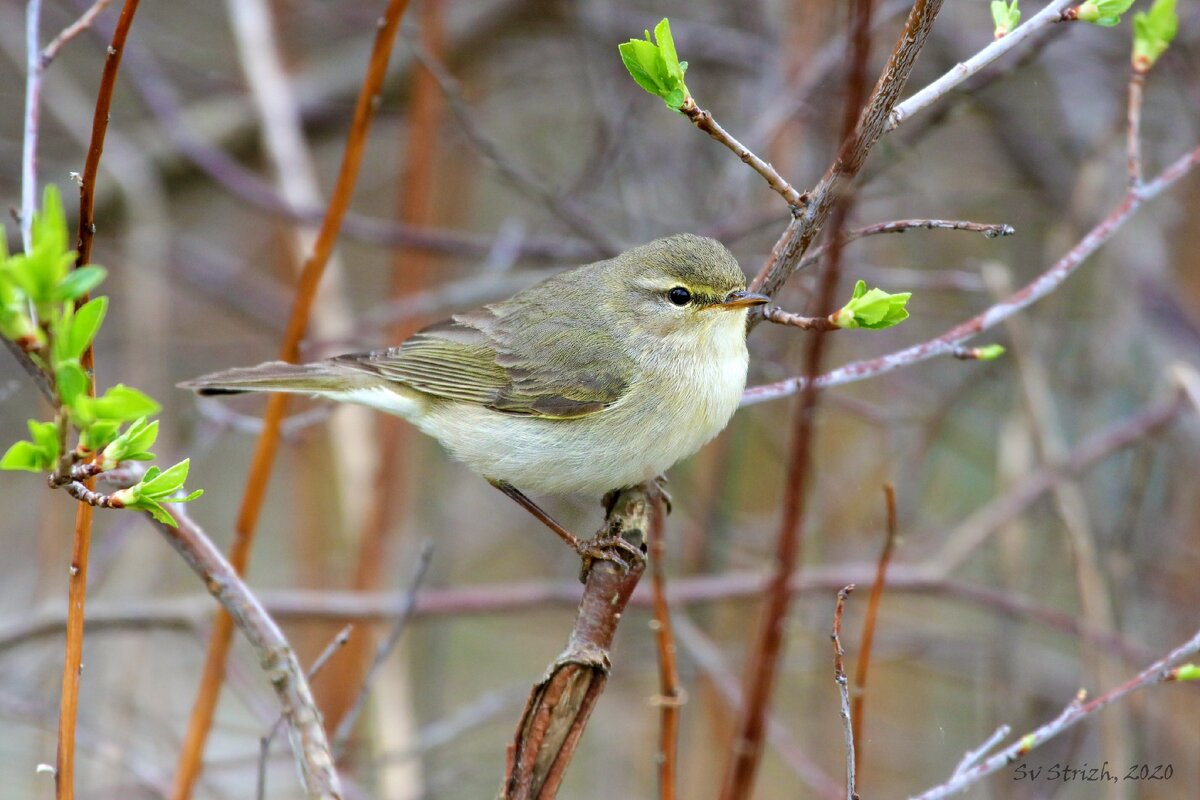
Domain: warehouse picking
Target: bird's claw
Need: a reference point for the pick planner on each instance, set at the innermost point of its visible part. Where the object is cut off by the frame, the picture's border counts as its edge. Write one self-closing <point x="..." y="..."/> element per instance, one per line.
<point x="661" y="482"/>
<point x="613" y="549"/>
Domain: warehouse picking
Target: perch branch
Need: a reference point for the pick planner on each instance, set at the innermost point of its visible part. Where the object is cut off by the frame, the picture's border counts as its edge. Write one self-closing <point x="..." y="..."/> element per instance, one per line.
<point x="839" y="677"/>
<point x="670" y="697"/>
<point x="561" y="702"/>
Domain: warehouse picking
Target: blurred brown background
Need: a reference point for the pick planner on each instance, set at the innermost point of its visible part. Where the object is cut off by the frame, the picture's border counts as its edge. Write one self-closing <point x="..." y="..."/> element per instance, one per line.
<point x="202" y="262"/>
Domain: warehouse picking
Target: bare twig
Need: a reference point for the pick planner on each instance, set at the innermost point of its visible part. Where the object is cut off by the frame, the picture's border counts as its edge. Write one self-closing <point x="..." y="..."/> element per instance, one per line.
<point x="562" y="207"/>
<point x="1133" y="136"/>
<point x="971" y="757"/>
<point x="707" y="657"/>
<point x="191" y="753"/>
<point x="314" y="759"/>
<point x="802" y="230"/>
<point x="869" y="623"/>
<point x="839" y="676"/>
<point x="704" y="121"/>
<point x="1080" y="708"/>
<point x="780" y="317"/>
<point x="33" y="94"/>
<point x="926" y="97"/>
<point x="670" y="697"/>
<point x="264" y="744"/>
<point x="346" y="726"/>
<point x="562" y="701"/>
<point x="1041" y="286"/>
<point x="51" y="51"/>
<point x="64" y="776"/>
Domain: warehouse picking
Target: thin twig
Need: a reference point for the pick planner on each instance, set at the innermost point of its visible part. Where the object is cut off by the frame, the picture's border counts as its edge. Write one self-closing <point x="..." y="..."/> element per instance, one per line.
<point x="869" y="623"/>
<point x="346" y="726"/>
<point x="704" y="121"/>
<point x="926" y="97"/>
<point x="1080" y="708"/>
<point x="562" y="207"/>
<point x="191" y="753"/>
<point x="839" y="676"/>
<point x="1133" y="136"/>
<point x="33" y="94"/>
<point x="670" y="697"/>
<point x="971" y="757"/>
<point x="51" y="51"/>
<point x="314" y="760"/>
<point x="1041" y="286"/>
<point x="264" y="744"/>
<point x="64" y="776"/>
<point x="780" y="317"/>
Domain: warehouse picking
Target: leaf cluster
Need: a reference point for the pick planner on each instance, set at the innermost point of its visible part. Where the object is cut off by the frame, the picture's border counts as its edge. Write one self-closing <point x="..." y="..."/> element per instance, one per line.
<point x="656" y="67"/>
<point x="1153" y="31"/>
<point x="1106" y="13"/>
<point x="873" y="309"/>
<point x="44" y="310"/>
<point x="1005" y="16"/>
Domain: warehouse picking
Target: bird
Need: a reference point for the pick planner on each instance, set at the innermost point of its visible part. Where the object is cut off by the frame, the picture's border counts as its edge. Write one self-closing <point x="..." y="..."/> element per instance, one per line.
<point x="593" y="380"/>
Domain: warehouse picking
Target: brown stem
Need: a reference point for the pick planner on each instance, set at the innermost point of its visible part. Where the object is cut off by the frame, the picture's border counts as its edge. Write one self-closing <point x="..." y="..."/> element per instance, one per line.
<point x="670" y="696"/>
<point x="704" y="121"/>
<point x="191" y="754"/>
<point x="868" y="633"/>
<point x="561" y="702"/>
<point x="411" y="272"/>
<point x="64" y="776"/>
<point x="839" y="677"/>
<point x="780" y="317"/>
<point x="1133" y="146"/>
<point x="763" y="663"/>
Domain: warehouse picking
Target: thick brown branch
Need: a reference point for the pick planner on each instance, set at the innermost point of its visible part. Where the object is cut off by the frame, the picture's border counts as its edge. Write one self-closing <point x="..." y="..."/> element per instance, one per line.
<point x="561" y="702"/>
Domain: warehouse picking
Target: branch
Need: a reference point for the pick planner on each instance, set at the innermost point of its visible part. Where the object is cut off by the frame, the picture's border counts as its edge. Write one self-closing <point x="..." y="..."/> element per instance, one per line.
<point x="64" y="775"/>
<point x="872" y="615"/>
<point x="780" y="317"/>
<point x="1078" y="709"/>
<point x="839" y="676"/>
<point x="561" y="702"/>
<point x="1041" y="286"/>
<point x="704" y="121"/>
<point x="51" y="51"/>
<point x="306" y="733"/>
<point x="670" y="696"/>
<point x="192" y="751"/>
<point x="1049" y="15"/>
<point x="1133" y="147"/>
<point x="33" y="94"/>
<point x="803" y="229"/>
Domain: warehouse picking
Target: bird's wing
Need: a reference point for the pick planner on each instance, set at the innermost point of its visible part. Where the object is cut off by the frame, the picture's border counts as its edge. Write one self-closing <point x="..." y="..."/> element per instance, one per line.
<point x="523" y="366"/>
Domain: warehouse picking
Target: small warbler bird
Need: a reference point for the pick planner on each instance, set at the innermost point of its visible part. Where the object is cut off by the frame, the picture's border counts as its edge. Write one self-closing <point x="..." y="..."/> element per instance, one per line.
<point x="593" y="380"/>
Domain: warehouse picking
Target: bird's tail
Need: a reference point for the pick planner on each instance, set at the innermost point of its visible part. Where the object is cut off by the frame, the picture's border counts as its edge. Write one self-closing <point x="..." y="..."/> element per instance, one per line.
<point x="276" y="376"/>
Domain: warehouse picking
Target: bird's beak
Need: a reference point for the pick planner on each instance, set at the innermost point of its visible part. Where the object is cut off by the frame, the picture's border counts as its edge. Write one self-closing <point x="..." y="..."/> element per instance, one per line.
<point x="740" y="298"/>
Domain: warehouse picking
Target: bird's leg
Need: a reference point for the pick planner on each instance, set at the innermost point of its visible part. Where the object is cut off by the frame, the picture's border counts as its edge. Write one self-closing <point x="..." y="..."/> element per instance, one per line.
<point x="600" y="549"/>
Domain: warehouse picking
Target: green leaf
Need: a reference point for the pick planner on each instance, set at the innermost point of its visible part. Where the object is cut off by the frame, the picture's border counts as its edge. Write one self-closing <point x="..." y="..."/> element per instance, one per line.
<point x="989" y="352"/>
<point x="165" y="483"/>
<point x="189" y="498"/>
<point x="45" y="436"/>
<point x="1006" y="16"/>
<point x="98" y="434"/>
<point x="874" y="309"/>
<point x="72" y="384"/>
<point x="1105" y="13"/>
<point x="132" y="445"/>
<point x="1187" y="672"/>
<point x="49" y="227"/>
<point x="25" y="456"/>
<point x="157" y="511"/>
<point x="80" y="282"/>
<point x="1153" y="32"/>
<point x="656" y="67"/>
<point x="122" y="402"/>
<point x="87" y="322"/>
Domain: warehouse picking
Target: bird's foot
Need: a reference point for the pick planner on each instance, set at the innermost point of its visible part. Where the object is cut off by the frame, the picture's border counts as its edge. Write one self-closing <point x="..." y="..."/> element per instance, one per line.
<point x="609" y="548"/>
<point x="661" y="482"/>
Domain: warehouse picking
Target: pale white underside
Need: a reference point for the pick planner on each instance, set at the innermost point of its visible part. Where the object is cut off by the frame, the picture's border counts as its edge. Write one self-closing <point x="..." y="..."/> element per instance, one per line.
<point x="671" y="409"/>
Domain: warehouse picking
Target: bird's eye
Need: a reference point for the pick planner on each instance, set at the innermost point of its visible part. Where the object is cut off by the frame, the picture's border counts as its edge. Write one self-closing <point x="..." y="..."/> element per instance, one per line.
<point x="679" y="296"/>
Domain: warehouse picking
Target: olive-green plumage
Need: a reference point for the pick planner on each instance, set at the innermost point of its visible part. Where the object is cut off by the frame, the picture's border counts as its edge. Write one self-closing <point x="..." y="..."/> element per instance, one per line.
<point x="595" y="379"/>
